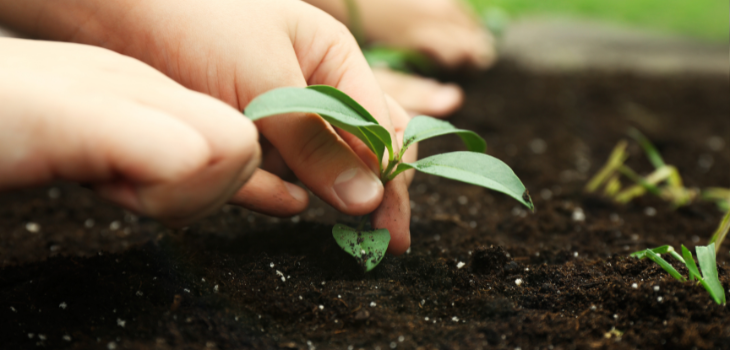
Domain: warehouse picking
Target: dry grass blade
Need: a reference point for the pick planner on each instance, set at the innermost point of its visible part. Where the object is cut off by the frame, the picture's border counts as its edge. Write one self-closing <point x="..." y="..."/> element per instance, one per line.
<point x="721" y="232"/>
<point x="615" y="160"/>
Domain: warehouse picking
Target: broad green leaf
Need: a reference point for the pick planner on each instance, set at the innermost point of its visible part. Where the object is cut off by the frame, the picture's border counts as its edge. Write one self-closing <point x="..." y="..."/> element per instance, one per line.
<point x="665" y="265"/>
<point x="708" y="264"/>
<point x="473" y="168"/>
<point x="367" y="247"/>
<point x="344" y="98"/>
<point x="332" y="109"/>
<point x="422" y="127"/>
<point x="694" y="273"/>
<point x="658" y="250"/>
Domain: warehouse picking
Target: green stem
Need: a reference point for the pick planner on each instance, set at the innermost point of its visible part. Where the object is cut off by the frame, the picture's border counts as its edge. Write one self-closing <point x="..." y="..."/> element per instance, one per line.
<point x="385" y="175"/>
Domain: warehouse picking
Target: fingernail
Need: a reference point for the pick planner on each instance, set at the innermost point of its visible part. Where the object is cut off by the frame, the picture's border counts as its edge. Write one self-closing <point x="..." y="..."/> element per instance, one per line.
<point x="296" y="192"/>
<point x="445" y="97"/>
<point x="357" y="186"/>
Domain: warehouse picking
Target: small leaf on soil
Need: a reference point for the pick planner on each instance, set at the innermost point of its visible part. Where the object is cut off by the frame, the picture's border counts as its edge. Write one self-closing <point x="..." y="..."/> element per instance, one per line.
<point x="367" y="247"/>
<point x="473" y="168"/>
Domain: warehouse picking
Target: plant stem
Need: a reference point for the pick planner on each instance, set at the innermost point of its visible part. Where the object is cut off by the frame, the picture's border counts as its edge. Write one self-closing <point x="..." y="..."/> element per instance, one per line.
<point x="385" y="175"/>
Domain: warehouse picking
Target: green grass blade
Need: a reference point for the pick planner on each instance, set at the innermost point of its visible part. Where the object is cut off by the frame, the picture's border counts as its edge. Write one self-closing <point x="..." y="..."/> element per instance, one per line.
<point x="339" y="111"/>
<point x="658" y="250"/>
<point x="694" y="273"/>
<point x="421" y="128"/>
<point x="708" y="264"/>
<point x="367" y="247"/>
<point x="473" y="168"/>
<point x="665" y="265"/>
<point x="651" y="152"/>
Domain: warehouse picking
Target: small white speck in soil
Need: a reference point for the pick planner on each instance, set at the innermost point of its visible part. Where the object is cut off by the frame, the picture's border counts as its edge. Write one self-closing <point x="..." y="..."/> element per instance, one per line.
<point x="393" y="345"/>
<point x="579" y="215"/>
<point x="139" y="293"/>
<point x="455" y="319"/>
<point x="656" y="288"/>
<point x="121" y="322"/>
<point x="659" y="299"/>
<point x="30" y="335"/>
<point x="271" y="265"/>
<point x="615" y="316"/>
<point x="215" y="289"/>
<point x="593" y="308"/>
<point x="649" y="211"/>
<point x="373" y="304"/>
<point x="425" y="318"/>
<point x="321" y="307"/>
<point x="62" y="305"/>
<point x="634" y="285"/>
<point x="401" y="338"/>
<point x="111" y="346"/>
<point x="42" y="336"/>
<point x="13" y="309"/>
<point x="89" y="223"/>
<point x="575" y="254"/>
<point x="67" y="337"/>
<point x="460" y="264"/>
<point x="115" y="225"/>
<point x="186" y="290"/>
<point x="33" y="227"/>
<point x="518" y="282"/>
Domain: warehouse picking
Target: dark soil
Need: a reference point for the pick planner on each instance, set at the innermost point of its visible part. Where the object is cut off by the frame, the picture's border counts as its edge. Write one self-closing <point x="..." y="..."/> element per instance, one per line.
<point x="130" y="283"/>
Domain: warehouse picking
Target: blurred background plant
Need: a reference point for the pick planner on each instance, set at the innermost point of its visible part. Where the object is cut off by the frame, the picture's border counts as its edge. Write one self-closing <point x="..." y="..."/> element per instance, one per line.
<point x="703" y="19"/>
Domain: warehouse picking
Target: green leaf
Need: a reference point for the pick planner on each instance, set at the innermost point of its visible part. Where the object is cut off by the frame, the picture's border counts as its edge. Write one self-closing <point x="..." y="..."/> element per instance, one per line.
<point x="708" y="264"/>
<point x="367" y="247"/>
<point x="422" y="127"/>
<point x="694" y="273"/>
<point x="665" y="265"/>
<point x="473" y="168"/>
<point x="658" y="250"/>
<point x="330" y="106"/>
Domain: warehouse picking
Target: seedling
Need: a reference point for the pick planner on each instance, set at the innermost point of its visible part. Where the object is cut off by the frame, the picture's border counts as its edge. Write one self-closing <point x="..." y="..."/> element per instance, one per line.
<point x="664" y="182"/>
<point x="473" y="166"/>
<point x="708" y="263"/>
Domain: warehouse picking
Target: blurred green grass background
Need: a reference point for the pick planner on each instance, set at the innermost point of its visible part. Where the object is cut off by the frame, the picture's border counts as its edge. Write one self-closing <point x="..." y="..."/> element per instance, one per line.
<point x="704" y="19"/>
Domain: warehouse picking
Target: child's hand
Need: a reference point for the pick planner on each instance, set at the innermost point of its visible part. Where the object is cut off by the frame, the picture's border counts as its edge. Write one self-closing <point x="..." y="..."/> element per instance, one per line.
<point x="444" y="29"/>
<point x="86" y="114"/>
<point x="235" y="50"/>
